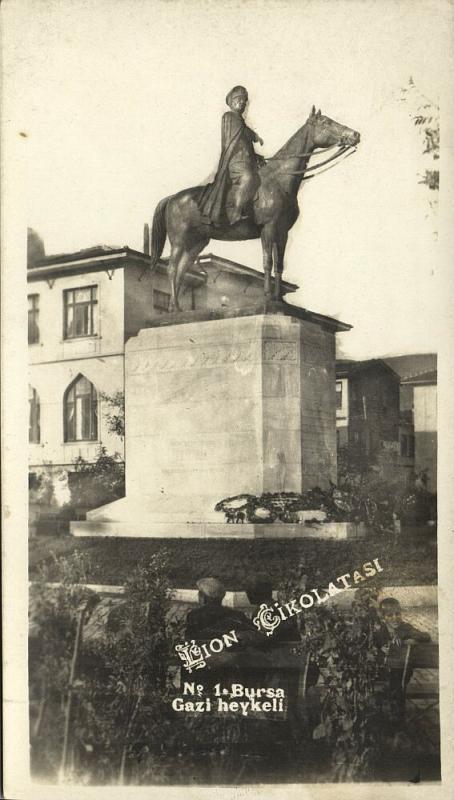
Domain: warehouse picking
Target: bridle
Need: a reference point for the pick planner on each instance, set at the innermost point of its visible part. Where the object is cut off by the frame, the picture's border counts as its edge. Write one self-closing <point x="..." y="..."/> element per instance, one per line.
<point x="343" y="151"/>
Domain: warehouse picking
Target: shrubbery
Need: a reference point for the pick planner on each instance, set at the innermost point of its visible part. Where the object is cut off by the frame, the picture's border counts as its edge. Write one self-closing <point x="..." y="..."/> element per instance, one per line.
<point x="100" y="708"/>
<point x="363" y="494"/>
<point x="98" y="482"/>
<point x="94" y="725"/>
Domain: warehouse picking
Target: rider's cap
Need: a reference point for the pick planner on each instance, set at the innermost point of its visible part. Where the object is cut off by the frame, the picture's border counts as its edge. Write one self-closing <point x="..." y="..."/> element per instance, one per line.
<point x="211" y="587"/>
<point x="237" y="91"/>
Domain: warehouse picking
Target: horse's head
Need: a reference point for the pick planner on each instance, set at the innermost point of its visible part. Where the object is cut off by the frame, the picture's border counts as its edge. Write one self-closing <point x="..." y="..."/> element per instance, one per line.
<point x="327" y="132"/>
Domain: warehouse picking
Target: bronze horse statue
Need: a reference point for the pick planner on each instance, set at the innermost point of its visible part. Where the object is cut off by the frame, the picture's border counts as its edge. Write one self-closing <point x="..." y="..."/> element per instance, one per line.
<point x="275" y="207"/>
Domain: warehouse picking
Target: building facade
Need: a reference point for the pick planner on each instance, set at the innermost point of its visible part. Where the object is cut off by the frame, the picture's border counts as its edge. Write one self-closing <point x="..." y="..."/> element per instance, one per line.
<point x="424" y="388"/>
<point x="367" y="413"/>
<point x="388" y="405"/>
<point x="418" y="431"/>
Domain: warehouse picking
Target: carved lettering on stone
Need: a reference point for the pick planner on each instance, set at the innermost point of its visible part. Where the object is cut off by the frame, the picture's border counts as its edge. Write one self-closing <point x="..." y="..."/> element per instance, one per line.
<point x="178" y="359"/>
<point x="276" y="350"/>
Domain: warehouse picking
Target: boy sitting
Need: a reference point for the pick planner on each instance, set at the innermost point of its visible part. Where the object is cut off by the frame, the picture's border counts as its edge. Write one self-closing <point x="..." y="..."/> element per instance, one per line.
<point x="393" y="637"/>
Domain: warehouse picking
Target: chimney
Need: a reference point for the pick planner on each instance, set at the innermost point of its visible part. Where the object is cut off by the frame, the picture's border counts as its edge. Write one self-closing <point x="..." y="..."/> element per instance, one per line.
<point x="35" y="247"/>
<point x="146" y="239"/>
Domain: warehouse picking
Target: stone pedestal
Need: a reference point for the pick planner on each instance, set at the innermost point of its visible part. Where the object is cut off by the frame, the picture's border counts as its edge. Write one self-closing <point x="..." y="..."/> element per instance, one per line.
<point x="219" y="407"/>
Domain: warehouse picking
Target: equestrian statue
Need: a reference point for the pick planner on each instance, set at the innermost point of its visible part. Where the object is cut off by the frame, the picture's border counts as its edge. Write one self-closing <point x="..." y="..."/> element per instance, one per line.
<point x="250" y="198"/>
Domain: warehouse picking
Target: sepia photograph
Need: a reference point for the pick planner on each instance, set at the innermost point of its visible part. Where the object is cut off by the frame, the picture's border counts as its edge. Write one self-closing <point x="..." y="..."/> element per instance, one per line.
<point x="225" y="236"/>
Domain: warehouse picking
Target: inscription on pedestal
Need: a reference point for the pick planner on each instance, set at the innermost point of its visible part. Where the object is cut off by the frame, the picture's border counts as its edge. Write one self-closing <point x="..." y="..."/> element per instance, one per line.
<point x="277" y="350"/>
<point x="185" y="358"/>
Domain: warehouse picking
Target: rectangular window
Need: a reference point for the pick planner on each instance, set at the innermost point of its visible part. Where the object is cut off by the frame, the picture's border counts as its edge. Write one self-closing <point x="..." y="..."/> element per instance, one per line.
<point x="161" y="300"/>
<point x="80" y="312"/>
<point x="407" y="445"/>
<point x="34" y="433"/>
<point x="33" y="318"/>
<point x="338" y="394"/>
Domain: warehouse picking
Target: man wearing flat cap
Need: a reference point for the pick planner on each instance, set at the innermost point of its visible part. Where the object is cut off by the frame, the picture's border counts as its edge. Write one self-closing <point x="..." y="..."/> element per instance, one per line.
<point x="211" y="619"/>
<point x="238" y="165"/>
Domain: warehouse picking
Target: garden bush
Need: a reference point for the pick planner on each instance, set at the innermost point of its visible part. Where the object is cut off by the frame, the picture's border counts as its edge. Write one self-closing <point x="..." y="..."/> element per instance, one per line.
<point x="101" y="713"/>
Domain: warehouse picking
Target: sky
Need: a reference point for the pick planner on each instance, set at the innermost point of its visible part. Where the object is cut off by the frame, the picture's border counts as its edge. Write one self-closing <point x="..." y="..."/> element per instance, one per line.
<point x="121" y="105"/>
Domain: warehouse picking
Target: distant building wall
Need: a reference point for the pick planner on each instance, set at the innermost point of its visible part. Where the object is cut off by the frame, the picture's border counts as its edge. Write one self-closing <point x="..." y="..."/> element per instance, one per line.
<point x="226" y="288"/>
<point x="425" y="420"/>
<point x="147" y="295"/>
<point x="373" y="410"/>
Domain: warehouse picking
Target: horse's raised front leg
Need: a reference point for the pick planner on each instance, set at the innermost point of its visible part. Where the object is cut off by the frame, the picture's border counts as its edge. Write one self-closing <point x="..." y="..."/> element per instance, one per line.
<point x="267" y="249"/>
<point x="279" y="251"/>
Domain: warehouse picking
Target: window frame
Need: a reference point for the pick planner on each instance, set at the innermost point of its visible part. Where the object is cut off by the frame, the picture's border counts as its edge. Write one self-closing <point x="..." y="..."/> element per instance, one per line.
<point x="407" y="445"/>
<point x="34" y="416"/>
<point x="156" y="304"/>
<point x="92" y="304"/>
<point x="34" y="313"/>
<point x="93" y="418"/>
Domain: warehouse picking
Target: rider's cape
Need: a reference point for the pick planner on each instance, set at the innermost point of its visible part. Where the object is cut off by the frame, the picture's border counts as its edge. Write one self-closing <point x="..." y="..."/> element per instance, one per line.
<point x="213" y="196"/>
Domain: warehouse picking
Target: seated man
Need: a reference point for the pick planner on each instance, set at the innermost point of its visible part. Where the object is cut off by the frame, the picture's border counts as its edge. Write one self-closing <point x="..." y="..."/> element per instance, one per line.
<point x="393" y="635"/>
<point x="211" y="619"/>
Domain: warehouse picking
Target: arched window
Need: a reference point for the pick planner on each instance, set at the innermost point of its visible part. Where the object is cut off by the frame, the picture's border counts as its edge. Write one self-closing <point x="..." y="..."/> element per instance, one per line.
<point x="81" y="411"/>
<point x="33" y="416"/>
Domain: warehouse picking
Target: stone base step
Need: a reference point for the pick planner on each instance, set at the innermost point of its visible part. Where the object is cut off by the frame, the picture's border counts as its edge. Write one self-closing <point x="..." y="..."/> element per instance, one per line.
<point x="218" y="530"/>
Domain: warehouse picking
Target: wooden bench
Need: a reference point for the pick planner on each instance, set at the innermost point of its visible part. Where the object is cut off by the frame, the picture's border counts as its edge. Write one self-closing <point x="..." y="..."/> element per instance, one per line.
<point x="293" y="657"/>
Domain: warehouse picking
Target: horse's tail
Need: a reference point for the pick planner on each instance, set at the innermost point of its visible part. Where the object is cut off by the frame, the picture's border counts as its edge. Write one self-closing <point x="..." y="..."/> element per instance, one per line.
<point x="158" y="232"/>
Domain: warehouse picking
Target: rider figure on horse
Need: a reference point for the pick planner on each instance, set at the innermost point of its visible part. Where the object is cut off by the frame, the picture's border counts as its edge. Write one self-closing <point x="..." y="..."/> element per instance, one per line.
<point x="238" y="166"/>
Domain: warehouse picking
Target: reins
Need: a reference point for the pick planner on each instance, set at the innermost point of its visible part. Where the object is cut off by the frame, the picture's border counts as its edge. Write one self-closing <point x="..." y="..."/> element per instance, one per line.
<point x="342" y="151"/>
<point x="302" y="155"/>
<point x="345" y="155"/>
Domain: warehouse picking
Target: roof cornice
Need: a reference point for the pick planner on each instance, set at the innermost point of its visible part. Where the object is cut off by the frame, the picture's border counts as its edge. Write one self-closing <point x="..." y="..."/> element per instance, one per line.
<point x="115" y="259"/>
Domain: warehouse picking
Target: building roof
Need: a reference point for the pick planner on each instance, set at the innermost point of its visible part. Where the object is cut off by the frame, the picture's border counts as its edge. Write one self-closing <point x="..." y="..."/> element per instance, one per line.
<point x="424" y="379"/>
<point x="225" y="265"/>
<point x="102" y="257"/>
<point x="86" y="252"/>
<point x="346" y="367"/>
<point x="410" y="365"/>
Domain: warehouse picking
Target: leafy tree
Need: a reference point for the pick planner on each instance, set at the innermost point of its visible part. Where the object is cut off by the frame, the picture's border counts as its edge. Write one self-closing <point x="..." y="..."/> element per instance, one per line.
<point x="115" y="412"/>
<point x="425" y="114"/>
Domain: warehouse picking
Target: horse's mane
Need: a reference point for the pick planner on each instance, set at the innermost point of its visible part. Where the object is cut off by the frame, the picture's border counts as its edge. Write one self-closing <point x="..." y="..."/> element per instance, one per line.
<point x="297" y="144"/>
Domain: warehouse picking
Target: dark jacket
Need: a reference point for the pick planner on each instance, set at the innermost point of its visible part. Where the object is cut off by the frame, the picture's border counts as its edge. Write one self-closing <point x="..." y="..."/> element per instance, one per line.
<point x="212" y="621"/>
<point x="402" y="633"/>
